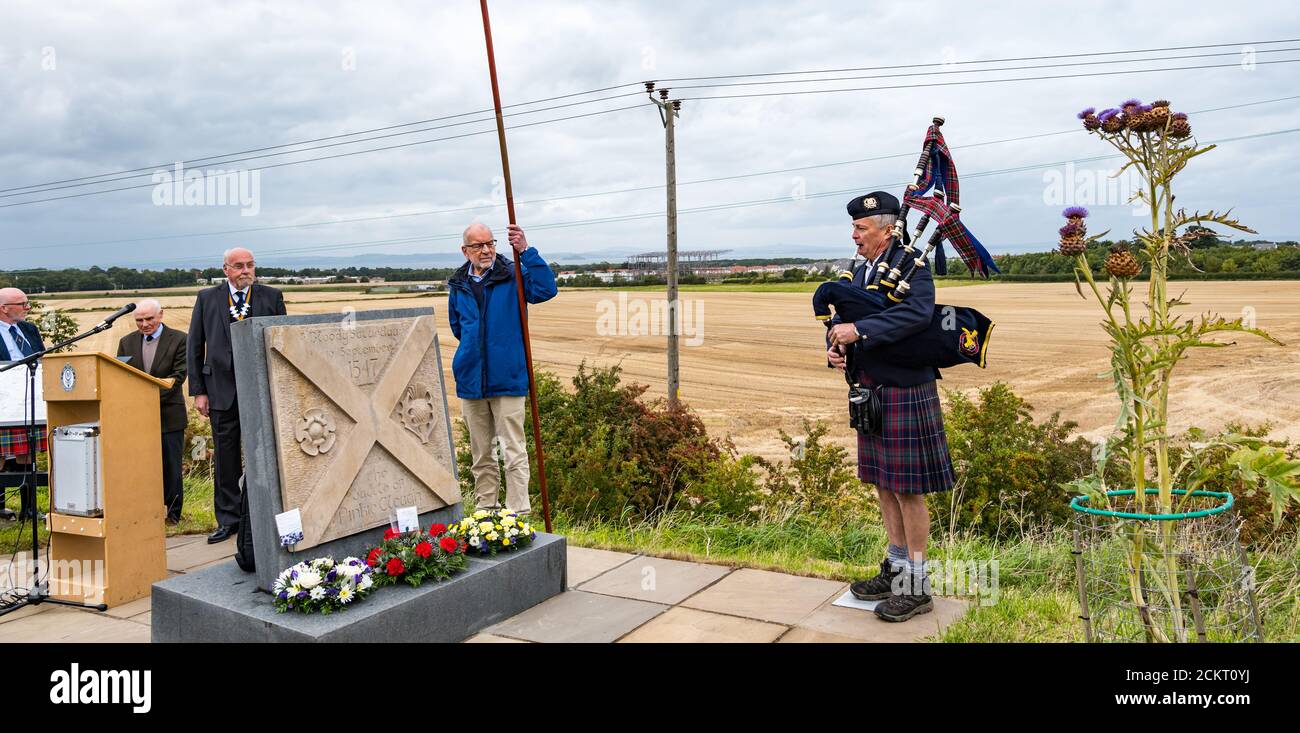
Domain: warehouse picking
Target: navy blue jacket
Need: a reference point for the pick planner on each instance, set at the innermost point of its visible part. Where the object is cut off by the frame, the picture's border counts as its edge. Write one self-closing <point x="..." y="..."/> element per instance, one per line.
<point x="489" y="360"/>
<point x="894" y="324"/>
<point x="29" y="332"/>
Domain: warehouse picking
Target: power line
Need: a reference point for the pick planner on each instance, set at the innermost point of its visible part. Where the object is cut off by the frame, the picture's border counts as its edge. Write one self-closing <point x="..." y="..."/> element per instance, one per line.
<point x="739" y="176"/>
<point x="150" y="172"/>
<point x="989" y="61"/>
<point x="709" y="208"/>
<point x="620" y="86"/>
<point x="972" y="71"/>
<point x="336" y="155"/>
<point x="346" y="134"/>
<point x="978" y="81"/>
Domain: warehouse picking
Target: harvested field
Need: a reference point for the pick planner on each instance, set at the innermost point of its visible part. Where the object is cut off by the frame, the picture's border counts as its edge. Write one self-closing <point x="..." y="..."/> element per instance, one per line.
<point x="759" y="365"/>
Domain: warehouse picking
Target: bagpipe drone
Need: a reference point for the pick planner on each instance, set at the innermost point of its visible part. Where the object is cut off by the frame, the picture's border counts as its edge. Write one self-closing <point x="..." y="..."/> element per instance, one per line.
<point x="956" y="334"/>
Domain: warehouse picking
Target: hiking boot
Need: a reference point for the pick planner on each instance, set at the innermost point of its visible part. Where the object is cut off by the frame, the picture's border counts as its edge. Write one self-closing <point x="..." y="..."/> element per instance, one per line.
<point x="906" y="603"/>
<point x="878" y="588"/>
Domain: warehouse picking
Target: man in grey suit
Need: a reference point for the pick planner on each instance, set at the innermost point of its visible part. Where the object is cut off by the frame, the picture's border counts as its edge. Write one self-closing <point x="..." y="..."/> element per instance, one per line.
<point x="212" y="374"/>
<point x="160" y="352"/>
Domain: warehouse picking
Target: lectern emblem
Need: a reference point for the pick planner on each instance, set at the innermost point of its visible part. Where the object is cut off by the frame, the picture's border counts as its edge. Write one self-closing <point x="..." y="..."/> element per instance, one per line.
<point x="68" y="377"/>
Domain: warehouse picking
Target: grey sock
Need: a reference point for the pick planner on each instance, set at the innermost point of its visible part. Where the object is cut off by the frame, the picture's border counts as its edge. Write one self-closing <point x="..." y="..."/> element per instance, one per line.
<point x="897" y="557"/>
<point x="920" y="582"/>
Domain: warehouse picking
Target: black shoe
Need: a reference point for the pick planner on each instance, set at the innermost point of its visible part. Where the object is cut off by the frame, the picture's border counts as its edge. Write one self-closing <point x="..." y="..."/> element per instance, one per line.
<point x="222" y="534"/>
<point x="877" y="588"/>
<point x="172" y="521"/>
<point x="910" y="601"/>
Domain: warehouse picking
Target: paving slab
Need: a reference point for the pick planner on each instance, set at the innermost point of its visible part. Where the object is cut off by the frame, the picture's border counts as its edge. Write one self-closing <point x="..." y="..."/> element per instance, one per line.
<point x="133" y="608"/>
<point x="491" y="639"/>
<point x="766" y="596"/>
<point x="72" y="625"/>
<point x="575" y="616"/>
<point x="808" y="636"/>
<point x="864" y="625"/>
<point x="145" y="619"/>
<point x="656" y="580"/>
<point x="586" y="563"/>
<point x="687" y="625"/>
<point x="192" y="555"/>
<point x="185" y="539"/>
<point x="23" y="613"/>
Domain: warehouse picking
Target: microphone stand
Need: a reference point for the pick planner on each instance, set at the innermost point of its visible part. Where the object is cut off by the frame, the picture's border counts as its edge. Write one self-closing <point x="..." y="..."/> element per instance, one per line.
<point x="36" y="595"/>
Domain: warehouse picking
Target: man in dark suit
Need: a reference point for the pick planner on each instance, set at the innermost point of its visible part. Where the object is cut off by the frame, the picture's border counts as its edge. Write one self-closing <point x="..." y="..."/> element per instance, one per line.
<point x="18" y="338"/>
<point x="212" y="373"/>
<point x="160" y="352"/>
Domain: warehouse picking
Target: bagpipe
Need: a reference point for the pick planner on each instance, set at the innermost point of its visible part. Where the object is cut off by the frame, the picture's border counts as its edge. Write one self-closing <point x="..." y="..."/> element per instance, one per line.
<point x="956" y="334"/>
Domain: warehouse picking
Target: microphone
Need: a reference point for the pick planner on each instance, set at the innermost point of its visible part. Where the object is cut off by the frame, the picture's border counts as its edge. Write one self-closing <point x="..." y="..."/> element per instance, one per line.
<point x="121" y="312"/>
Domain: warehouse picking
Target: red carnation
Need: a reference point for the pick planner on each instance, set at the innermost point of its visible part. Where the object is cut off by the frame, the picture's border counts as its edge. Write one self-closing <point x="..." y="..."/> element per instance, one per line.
<point x="448" y="544"/>
<point x="437" y="529"/>
<point x="464" y="545"/>
<point x="373" y="558"/>
<point x="424" y="549"/>
<point x="396" y="566"/>
<point x="390" y="533"/>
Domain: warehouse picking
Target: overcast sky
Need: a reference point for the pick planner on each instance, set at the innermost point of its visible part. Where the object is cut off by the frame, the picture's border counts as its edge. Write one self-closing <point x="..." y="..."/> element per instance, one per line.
<point x="95" y="88"/>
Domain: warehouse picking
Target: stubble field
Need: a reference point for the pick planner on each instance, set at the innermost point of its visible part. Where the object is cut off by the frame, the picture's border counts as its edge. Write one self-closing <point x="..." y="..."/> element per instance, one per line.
<point x="759" y="362"/>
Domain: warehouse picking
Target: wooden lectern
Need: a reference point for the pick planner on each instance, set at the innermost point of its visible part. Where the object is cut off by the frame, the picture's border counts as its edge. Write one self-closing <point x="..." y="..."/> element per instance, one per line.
<point x="115" y="558"/>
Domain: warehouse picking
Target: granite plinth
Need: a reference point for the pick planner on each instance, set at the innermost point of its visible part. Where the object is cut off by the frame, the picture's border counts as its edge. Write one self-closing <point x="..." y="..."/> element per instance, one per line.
<point x="222" y="603"/>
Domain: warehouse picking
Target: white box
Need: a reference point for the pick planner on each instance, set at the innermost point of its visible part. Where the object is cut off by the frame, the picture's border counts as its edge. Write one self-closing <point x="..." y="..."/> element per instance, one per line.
<point x="76" y="481"/>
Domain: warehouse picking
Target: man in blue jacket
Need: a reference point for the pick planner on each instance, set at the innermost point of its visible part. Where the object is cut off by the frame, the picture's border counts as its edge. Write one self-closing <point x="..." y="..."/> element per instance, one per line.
<point x="490" y="369"/>
<point x="908" y="456"/>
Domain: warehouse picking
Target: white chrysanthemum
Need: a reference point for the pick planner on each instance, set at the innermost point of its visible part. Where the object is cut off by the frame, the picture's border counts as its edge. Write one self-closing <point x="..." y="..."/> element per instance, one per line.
<point x="317" y="593"/>
<point x="345" y="594"/>
<point x="309" y="579"/>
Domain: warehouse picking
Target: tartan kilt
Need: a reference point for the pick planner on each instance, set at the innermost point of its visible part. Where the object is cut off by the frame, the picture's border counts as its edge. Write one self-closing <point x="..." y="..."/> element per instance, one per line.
<point x="910" y="456"/>
<point x="13" y="441"/>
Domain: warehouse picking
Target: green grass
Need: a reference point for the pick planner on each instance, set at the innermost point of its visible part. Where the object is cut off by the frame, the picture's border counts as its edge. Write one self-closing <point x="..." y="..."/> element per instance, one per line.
<point x="196" y="515"/>
<point x="1036" y="597"/>
<point x="777" y="287"/>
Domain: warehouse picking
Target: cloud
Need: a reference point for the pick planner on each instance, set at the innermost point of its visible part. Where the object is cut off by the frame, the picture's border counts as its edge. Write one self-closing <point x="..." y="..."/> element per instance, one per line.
<point x="140" y="84"/>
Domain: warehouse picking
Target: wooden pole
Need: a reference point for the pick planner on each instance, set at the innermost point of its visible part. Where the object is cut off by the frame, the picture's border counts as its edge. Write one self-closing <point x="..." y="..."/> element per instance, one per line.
<point x="674" y="355"/>
<point x="519" y="272"/>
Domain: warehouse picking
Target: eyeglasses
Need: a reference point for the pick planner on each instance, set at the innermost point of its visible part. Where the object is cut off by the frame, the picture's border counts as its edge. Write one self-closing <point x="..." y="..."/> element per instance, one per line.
<point x="24" y="304"/>
<point x="481" y="246"/>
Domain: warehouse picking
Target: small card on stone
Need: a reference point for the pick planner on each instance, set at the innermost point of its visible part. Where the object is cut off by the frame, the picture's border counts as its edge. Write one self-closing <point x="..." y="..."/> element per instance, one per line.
<point x="848" y="601"/>
<point x="408" y="519"/>
<point x="289" y="526"/>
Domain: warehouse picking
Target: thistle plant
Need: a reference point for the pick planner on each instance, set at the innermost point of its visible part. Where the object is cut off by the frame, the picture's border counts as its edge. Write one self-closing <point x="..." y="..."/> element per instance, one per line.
<point x="1148" y="338"/>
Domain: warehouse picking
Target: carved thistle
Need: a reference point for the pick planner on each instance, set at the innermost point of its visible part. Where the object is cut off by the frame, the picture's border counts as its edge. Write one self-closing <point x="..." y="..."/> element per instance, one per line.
<point x="416" y="409"/>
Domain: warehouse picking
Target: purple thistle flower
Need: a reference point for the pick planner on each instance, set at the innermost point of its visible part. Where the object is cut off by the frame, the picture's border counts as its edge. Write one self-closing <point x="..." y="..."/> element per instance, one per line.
<point x="1144" y="108"/>
<point x="1087" y="112"/>
<point x="1106" y="114"/>
<point x="1071" y="229"/>
<point x="1075" y="212"/>
<point x="1131" y="103"/>
<point x="1180" y="115"/>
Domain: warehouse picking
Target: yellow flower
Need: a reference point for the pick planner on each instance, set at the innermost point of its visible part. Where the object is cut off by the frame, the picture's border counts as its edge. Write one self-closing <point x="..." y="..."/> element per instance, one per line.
<point x="506" y="541"/>
<point x="491" y="536"/>
<point x="485" y="527"/>
<point x="498" y="526"/>
<point x="480" y="514"/>
<point x="508" y="521"/>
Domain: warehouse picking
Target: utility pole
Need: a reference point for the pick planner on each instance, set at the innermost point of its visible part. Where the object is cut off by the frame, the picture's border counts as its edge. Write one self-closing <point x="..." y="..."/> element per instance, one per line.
<point x="668" y="110"/>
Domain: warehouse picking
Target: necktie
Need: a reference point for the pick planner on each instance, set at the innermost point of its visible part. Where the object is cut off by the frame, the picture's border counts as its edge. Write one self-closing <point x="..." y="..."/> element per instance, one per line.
<point x="23" y="347"/>
<point x="239" y="299"/>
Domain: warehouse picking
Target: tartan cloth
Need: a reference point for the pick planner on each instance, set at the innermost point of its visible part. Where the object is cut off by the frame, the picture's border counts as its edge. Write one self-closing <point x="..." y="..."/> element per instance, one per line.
<point x="13" y="441"/>
<point x="910" y="456"/>
<point x="941" y="175"/>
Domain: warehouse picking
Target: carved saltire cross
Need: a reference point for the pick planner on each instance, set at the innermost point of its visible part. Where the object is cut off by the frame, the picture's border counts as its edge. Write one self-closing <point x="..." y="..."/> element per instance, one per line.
<point x="373" y="415"/>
